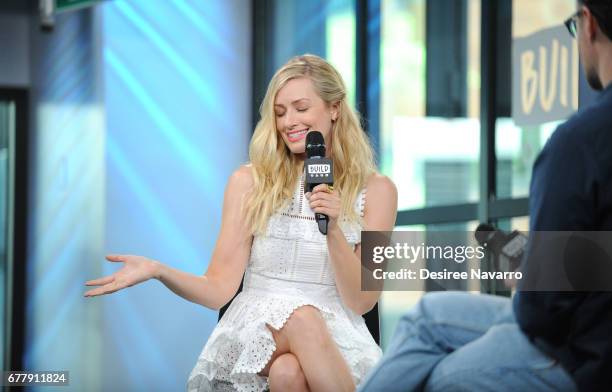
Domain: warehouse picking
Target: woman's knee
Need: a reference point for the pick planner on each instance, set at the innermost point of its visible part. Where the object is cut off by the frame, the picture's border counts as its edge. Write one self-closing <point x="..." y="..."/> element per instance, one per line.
<point x="286" y="374"/>
<point x="306" y="323"/>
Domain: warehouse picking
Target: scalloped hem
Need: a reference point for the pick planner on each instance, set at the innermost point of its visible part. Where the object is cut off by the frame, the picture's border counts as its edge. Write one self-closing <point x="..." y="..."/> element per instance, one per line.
<point x="244" y="370"/>
<point x="256" y="354"/>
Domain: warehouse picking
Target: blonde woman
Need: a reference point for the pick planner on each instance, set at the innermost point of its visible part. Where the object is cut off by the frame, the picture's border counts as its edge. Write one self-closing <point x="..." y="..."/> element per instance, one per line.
<point x="296" y="325"/>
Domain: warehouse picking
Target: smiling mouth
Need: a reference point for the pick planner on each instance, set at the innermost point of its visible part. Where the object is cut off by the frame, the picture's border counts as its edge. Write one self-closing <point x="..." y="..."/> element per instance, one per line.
<point x="295" y="136"/>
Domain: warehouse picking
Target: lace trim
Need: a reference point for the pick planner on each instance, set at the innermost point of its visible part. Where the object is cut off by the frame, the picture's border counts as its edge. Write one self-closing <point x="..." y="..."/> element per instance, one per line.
<point x="291" y="225"/>
<point x="252" y="345"/>
<point x="362" y="201"/>
<point x="295" y="210"/>
<point x="298" y="216"/>
<point x="301" y="193"/>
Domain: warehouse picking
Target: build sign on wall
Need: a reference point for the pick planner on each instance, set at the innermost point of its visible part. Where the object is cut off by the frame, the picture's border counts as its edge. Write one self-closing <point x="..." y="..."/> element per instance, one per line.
<point x="545" y="72"/>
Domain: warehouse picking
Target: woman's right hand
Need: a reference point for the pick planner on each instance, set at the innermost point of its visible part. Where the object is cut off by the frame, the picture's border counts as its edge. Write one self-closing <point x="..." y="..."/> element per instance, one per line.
<point x="136" y="269"/>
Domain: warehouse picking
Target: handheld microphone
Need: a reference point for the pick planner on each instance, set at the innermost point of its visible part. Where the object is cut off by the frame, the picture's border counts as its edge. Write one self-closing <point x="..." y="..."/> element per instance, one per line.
<point x="509" y="247"/>
<point x="318" y="170"/>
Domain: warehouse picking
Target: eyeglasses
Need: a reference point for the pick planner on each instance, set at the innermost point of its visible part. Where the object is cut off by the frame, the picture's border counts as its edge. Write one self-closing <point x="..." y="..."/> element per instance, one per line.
<point x="570" y="23"/>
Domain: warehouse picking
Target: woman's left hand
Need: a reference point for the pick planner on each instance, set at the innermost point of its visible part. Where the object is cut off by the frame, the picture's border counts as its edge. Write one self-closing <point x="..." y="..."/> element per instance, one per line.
<point x="325" y="200"/>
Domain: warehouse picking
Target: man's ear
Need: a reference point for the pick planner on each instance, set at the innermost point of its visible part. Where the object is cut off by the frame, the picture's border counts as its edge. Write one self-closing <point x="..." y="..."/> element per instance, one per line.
<point x="590" y="24"/>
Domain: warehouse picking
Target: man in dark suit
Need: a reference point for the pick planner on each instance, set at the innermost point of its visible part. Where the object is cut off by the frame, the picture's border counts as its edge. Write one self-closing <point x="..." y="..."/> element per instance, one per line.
<point x="539" y="341"/>
<point x="571" y="189"/>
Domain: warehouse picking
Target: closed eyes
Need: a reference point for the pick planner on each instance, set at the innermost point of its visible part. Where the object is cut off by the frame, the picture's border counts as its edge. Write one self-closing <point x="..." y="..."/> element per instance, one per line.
<point x="300" y="110"/>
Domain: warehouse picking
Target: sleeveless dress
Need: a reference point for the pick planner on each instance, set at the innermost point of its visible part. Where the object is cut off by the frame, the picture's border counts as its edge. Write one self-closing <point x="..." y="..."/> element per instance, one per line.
<point x="288" y="268"/>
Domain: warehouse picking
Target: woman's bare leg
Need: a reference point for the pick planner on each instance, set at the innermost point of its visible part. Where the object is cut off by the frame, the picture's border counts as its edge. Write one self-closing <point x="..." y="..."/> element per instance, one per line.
<point x="282" y="347"/>
<point x="283" y="370"/>
<point x="287" y="375"/>
<point x="318" y="356"/>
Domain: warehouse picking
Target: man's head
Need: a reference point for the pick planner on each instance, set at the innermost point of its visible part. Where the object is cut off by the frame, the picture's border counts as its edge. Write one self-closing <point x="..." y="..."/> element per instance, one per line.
<point x="593" y="23"/>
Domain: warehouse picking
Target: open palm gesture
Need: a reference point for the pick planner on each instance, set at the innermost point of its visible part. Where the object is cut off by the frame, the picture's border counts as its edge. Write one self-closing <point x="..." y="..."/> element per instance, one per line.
<point x="136" y="269"/>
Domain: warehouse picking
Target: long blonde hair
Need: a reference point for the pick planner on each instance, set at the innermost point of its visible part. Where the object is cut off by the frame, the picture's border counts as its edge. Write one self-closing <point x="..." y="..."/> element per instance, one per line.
<point x="275" y="169"/>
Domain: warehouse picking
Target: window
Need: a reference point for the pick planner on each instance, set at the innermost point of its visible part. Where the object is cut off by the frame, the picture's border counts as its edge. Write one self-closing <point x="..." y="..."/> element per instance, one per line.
<point x="517" y="147"/>
<point x="429" y="102"/>
<point x="329" y="32"/>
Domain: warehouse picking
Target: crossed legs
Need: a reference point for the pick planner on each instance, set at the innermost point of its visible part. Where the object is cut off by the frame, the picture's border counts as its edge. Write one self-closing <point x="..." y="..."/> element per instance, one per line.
<point x="452" y="341"/>
<point x="306" y="356"/>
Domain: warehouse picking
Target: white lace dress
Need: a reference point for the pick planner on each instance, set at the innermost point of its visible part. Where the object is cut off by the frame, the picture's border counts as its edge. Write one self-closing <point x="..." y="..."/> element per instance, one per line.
<point x="289" y="267"/>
